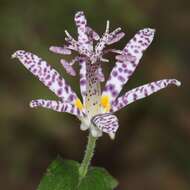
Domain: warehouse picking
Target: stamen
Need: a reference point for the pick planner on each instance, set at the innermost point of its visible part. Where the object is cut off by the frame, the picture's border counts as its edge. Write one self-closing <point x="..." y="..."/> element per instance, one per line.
<point x="78" y="104"/>
<point x="68" y="35"/>
<point x="105" y="103"/>
<point x="104" y="60"/>
<point x="112" y="135"/>
<point x="107" y="26"/>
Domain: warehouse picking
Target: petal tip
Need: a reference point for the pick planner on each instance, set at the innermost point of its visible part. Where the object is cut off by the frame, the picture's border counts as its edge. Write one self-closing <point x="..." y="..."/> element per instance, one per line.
<point x="33" y="104"/>
<point x="13" y="55"/>
<point x="122" y="34"/>
<point x="79" y="12"/>
<point x="153" y="30"/>
<point x="51" y="48"/>
<point x="95" y="132"/>
<point x="17" y="53"/>
<point x="69" y="69"/>
<point x="112" y="136"/>
<point x="149" y="32"/>
<point x="83" y="127"/>
<point x="177" y="83"/>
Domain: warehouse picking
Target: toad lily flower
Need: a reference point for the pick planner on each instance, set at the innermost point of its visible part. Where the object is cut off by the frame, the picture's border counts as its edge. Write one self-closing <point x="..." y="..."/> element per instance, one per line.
<point x="96" y="111"/>
<point x="84" y="45"/>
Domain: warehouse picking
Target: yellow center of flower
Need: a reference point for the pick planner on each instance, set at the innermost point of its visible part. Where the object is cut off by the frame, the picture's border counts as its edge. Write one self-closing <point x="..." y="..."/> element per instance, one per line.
<point x="105" y="103"/>
<point x="78" y="104"/>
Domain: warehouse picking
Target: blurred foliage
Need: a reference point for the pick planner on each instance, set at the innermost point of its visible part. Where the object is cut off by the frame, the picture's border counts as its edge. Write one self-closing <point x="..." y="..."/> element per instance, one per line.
<point x="151" y="150"/>
<point x="63" y="174"/>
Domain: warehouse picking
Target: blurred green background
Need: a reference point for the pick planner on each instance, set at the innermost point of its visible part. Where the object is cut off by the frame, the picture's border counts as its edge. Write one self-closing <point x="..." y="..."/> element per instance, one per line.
<point x="151" y="149"/>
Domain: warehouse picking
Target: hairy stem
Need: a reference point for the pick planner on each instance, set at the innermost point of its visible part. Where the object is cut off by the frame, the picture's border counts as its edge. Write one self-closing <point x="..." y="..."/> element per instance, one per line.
<point x="89" y="152"/>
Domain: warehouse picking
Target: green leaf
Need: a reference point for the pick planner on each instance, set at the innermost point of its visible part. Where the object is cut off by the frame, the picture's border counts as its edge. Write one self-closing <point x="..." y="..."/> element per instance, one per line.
<point x="61" y="175"/>
<point x="98" y="179"/>
<point x="64" y="175"/>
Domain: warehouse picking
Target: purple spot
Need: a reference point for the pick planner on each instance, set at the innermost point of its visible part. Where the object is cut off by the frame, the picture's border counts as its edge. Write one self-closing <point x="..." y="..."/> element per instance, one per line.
<point x="83" y="82"/>
<point x="66" y="89"/>
<point x="110" y="87"/>
<point x="45" y="70"/>
<point x="136" y="51"/>
<point x="120" y="70"/>
<point x="124" y="65"/>
<point x="145" y="92"/>
<point x="47" y="77"/>
<point x="134" y="97"/>
<point x="66" y="107"/>
<point x="63" y="109"/>
<point x="114" y="93"/>
<point x="49" y="84"/>
<point x="125" y="101"/>
<point x="121" y="79"/>
<point x="78" y="112"/>
<point x="59" y="92"/>
<point x="71" y="97"/>
<point x="152" y="87"/>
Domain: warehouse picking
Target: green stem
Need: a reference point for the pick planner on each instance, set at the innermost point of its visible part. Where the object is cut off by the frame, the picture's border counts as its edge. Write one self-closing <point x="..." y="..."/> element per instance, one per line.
<point x="87" y="157"/>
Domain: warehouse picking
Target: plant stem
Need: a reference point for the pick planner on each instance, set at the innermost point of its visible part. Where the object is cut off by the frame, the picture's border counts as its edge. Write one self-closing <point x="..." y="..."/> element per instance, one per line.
<point x="89" y="152"/>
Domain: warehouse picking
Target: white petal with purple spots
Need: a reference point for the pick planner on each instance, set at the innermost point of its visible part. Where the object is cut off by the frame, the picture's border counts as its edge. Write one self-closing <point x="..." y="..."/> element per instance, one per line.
<point x="100" y="75"/>
<point x="83" y="79"/>
<point x="81" y="24"/>
<point x="68" y="67"/>
<point x="93" y="90"/>
<point x="107" y="122"/>
<point x="92" y="35"/>
<point x="95" y="113"/>
<point x="127" y="62"/>
<point x="58" y="106"/>
<point x="115" y="36"/>
<point x="46" y="74"/>
<point x="142" y="92"/>
<point x="60" y="50"/>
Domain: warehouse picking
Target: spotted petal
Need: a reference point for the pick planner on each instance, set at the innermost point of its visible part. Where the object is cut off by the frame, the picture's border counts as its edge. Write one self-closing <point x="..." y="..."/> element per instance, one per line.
<point x="60" y="50"/>
<point x="142" y="92"/>
<point x="83" y="79"/>
<point x="81" y="24"/>
<point x="91" y="86"/>
<point x="107" y="123"/>
<point x="127" y="62"/>
<point x="115" y="36"/>
<point x="106" y="39"/>
<point x="92" y="35"/>
<point x="102" y="42"/>
<point x="68" y="67"/>
<point x="58" y="106"/>
<point x="72" y="43"/>
<point x="46" y="74"/>
<point x="100" y="74"/>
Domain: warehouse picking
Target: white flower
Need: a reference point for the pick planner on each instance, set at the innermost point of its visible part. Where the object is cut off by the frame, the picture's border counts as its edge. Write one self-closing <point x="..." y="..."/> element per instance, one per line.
<point x="96" y="110"/>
